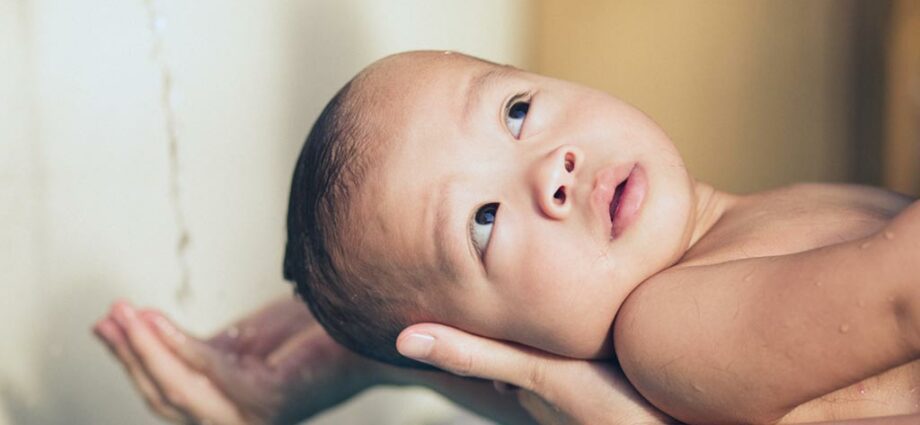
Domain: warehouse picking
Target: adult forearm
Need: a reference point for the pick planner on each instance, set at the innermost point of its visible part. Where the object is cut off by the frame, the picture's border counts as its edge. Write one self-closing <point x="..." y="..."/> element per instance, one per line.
<point x="477" y="395"/>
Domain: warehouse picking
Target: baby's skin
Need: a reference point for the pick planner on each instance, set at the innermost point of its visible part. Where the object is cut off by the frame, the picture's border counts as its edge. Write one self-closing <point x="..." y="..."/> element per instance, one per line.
<point x="549" y="214"/>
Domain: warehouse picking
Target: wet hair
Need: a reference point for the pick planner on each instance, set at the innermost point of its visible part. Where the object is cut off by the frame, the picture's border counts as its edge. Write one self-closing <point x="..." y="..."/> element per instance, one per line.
<point x="361" y="307"/>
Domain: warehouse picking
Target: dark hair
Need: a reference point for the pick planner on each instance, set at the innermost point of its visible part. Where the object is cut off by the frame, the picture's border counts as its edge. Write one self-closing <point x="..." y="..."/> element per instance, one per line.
<point x="357" y="310"/>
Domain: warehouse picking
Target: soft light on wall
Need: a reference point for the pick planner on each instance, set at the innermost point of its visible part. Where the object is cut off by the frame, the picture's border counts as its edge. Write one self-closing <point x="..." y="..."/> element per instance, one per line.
<point x="146" y="149"/>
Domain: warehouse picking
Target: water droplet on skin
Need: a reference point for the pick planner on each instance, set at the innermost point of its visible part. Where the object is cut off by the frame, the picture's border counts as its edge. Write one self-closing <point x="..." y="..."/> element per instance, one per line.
<point x="891" y="298"/>
<point x="233" y="332"/>
<point x="748" y="277"/>
<point x="818" y="283"/>
<point x="844" y="328"/>
<point x="697" y="388"/>
<point x="889" y="235"/>
<point x="448" y="52"/>
<point x="864" y="245"/>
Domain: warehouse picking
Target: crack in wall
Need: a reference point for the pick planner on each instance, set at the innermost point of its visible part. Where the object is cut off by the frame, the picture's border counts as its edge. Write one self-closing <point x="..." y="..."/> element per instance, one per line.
<point x="157" y="23"/>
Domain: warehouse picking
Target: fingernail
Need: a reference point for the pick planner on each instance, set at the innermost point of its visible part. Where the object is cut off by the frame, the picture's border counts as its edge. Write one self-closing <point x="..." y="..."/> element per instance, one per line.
<point x="416" y="346"/>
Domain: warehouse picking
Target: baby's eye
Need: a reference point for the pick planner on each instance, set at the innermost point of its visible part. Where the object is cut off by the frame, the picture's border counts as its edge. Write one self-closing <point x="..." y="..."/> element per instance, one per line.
<point x="515" y="113"/>
<point x="481" y="226"/>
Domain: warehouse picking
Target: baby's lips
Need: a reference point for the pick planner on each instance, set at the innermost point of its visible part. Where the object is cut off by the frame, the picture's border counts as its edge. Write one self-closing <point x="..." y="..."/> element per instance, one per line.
<point x="630" y="200"/>
<point x="606" y="181"/>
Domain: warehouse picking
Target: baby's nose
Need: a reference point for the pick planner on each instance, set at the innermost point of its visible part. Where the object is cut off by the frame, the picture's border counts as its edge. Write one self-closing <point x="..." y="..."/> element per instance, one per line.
<point x="554" y="180"/>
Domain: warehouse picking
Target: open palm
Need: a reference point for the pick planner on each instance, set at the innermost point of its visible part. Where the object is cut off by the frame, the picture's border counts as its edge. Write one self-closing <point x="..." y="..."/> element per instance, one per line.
<point x="275" y="366"/>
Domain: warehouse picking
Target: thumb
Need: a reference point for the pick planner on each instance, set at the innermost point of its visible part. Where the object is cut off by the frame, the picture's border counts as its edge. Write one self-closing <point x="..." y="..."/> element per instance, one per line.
<point x="466" y="354"/>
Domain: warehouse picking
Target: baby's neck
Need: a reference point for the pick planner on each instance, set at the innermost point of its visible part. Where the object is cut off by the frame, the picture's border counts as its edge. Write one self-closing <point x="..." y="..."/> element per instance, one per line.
<point x="711" y="205"/>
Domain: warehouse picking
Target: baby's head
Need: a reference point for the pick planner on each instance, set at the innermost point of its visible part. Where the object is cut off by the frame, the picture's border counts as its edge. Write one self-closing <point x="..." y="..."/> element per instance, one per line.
<point x="442" y="188"/>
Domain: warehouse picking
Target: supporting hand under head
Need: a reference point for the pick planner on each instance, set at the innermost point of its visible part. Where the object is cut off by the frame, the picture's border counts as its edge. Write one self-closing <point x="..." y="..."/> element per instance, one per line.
<point x="554" y="390"/>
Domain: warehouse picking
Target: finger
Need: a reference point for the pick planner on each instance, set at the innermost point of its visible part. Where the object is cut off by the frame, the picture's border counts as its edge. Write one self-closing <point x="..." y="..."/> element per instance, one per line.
<point x="198" y="355"/>
<point x="181" y="386"/>
<point x="195" y="353"/>
<point x="555" y="381"/>
<point x="470" y="355"/>
<point x="110" y="333"/>
<point x="236" y="377"/>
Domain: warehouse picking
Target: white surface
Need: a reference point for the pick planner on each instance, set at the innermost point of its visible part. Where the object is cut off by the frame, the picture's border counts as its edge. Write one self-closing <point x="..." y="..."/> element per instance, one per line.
<point x="86" y="213"/>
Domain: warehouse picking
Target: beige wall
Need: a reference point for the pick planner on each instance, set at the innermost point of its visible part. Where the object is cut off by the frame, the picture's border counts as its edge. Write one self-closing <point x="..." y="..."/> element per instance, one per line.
<point x="902" y="124"/>
<point x="754" y="93"/>
<point x="87" y="213"/>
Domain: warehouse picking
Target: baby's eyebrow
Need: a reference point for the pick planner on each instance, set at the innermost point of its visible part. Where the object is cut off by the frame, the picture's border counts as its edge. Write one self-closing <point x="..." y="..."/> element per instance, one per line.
<point x="478" y="84"/>
<point x="444" y="246"/>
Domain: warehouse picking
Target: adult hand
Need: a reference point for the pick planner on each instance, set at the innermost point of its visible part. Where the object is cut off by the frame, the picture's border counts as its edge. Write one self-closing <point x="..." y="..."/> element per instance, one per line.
<point x="275" y="366"/>
<point x="555" y="390"/>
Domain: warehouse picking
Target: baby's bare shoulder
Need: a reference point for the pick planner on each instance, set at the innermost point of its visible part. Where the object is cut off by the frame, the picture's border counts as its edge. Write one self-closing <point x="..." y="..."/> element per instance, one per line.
<point x="793" y="219"/>
<point x="818" y="199"/>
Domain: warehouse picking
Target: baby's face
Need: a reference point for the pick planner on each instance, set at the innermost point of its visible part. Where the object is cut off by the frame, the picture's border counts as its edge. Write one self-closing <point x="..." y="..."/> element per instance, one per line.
<point x="529" y="207"/>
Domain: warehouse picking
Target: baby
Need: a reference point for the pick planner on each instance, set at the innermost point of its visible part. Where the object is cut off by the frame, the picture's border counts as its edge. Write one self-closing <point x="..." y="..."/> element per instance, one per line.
<point x="437" y="187"/>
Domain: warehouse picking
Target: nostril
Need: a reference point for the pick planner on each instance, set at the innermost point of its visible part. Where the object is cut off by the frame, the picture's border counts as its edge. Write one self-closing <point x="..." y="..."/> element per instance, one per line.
<point x="569" y="162"/>
<point x="559" y="196"/>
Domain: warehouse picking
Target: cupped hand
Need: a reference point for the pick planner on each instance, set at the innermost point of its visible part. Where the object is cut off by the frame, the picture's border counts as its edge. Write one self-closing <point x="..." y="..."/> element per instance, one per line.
<point x="554" y="390"/>
<point x="275" y="366"/>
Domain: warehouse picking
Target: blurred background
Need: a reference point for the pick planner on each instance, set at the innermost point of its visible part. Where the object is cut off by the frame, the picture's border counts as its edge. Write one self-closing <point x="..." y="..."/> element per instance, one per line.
<point x="146" y="147"/>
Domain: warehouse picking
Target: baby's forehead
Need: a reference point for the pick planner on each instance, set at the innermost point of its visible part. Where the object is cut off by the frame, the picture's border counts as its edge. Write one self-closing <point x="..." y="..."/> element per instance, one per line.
<point x="397" y="97"/>
<point x="412" y="72"/>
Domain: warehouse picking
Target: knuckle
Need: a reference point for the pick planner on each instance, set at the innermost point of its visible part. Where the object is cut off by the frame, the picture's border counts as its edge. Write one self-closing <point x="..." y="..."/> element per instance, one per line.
<point x="536" y="376"/>
<point x="465" y="366"/>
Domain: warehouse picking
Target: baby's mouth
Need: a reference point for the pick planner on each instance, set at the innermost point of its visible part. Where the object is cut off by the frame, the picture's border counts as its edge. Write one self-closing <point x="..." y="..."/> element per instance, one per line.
<point x="615" y="203"/>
